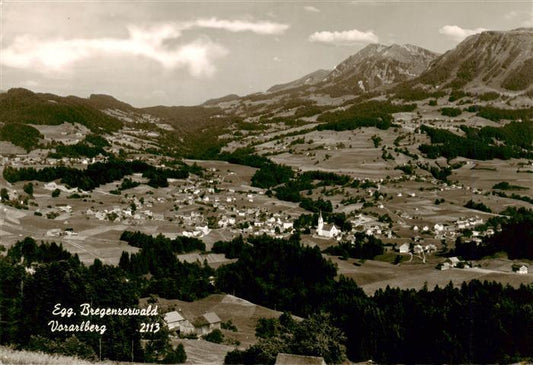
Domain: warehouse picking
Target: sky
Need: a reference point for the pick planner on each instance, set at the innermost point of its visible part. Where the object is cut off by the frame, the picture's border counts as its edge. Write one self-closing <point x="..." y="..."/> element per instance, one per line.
<point x="166" y="52"/>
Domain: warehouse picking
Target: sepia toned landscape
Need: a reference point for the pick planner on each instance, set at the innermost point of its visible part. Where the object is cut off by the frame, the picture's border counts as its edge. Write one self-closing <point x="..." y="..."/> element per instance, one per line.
<point x="379" y="211"/>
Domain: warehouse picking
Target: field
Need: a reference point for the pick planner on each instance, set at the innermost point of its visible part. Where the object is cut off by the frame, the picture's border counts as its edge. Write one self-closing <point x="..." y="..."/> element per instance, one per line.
<point x="374" y="275"/>
<point x="13" y="357"/>
<point x="203" y="352"/>
<point x="242" y="313"/>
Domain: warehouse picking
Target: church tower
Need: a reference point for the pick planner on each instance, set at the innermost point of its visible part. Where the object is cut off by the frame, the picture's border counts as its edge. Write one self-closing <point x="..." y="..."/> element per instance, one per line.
<point x="320" y="225"/>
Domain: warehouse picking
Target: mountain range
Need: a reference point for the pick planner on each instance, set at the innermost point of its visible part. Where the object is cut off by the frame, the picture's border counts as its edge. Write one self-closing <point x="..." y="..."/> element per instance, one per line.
<point x="496" y="61"/>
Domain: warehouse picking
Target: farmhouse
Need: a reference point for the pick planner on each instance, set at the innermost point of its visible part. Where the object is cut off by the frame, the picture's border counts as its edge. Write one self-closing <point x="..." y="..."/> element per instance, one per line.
<point x="453" y="261"/>
<point x="176" y="322"/>
<point x="404" y="248"/>
<point x="520" y="269"/>
<point x="207" y="323"/>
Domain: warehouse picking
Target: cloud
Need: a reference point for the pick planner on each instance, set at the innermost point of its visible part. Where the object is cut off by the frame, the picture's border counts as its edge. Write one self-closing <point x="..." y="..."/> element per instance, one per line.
<point x="346" y="37"/>
<point x="56" y="55"/>
<point x="457" y="33"/>
<point x="529" y="21"/>
<point x="311" y="9"/>
<point x="260" y="27"/>
<point x="152" y="43"/>
<point x="523" y="18"/>
<point x="373" y="2"/>
<point x="511" y="15"/>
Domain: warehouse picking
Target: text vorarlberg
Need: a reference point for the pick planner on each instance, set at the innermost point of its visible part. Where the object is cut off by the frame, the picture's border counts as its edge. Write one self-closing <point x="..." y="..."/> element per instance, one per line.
<point x="86" y="310"/>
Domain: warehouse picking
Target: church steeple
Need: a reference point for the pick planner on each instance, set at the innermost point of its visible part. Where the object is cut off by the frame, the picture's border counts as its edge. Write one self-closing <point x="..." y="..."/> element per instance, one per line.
<point x="320" y="225"/>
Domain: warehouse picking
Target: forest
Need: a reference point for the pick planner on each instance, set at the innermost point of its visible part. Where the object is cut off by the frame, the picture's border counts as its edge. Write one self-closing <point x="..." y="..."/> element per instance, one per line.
<point x="91" y="146"/>
<point x="474" y="323"/>
<point x="180" y="244"/>
<point x="27" y="299"/>
<point x="21" y="135"/>
<point x="367" y="114"/>
<point x="478" y="322"/>
<point x="97" y="174"/>
<point x="479" y="143"/>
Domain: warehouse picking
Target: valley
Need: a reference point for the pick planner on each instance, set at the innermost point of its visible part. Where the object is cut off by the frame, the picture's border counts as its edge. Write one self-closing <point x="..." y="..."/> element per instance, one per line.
<point x="400" y="169"/>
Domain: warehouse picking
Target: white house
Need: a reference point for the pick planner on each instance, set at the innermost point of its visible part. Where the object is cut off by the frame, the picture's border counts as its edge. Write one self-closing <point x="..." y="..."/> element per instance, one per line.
<point x="176" y="322"/>
<point x="404" y="248"/>
<point x="287" y="225"/>
<point x="520" y="269"/>
<point x="202" y="230"/>
<point x="172" y="319"/>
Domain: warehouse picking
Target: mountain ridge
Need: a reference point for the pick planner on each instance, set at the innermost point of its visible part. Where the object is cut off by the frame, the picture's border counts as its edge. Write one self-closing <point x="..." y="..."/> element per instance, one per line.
<point x="310" y="79"/>
<point x="496" y="59"/>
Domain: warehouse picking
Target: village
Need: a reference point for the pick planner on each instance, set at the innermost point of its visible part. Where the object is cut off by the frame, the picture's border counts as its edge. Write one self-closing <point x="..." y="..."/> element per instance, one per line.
<point x="222" y="205"/>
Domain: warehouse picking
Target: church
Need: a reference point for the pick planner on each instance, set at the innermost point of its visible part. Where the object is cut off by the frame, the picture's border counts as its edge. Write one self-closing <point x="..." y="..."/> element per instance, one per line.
<point x="326" y="230"/>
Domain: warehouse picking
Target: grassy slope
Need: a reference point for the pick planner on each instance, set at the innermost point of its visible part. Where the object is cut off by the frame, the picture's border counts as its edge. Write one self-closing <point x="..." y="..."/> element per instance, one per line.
<point x="13" y="357"/>
<point x="25" y="107"/>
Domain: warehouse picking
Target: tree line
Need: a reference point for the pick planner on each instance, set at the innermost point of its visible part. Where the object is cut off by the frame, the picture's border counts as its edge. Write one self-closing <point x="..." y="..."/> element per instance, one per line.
<point x="371" y="113"/>
<point x="97" y="174"/>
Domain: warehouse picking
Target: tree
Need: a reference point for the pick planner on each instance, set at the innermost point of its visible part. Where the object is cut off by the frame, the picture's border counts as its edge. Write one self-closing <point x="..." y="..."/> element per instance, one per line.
<point x="267" y="327"/>
<point x="28" y="188"/>
<point x="4" y="195"/>
<point x="124" y="262"/>
<point x="316" y="336"/>
<point x="176" y="356"/>
<point x="215" y="336"/>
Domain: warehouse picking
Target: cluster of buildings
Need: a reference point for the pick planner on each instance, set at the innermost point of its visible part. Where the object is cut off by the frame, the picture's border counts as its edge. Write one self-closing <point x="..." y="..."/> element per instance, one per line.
<point x="202" y="325"/>
<point x="31" y="160"/>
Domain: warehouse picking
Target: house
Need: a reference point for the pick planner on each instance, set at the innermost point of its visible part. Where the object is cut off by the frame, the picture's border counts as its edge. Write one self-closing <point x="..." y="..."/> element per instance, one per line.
<point x="173" y="319"/>
<point x="176" y="322"/>
<point x="291" y="359"/>
<point x="202" y="230"/>
<point x="287" y="225"/>
<point x="404" y="248"/>
<point x="430" y="248"/>
<point x="520" y="269"/>
<point x="326" y="230"/>
<point x="453" y="261"/>
<point x="207" y="323"/>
